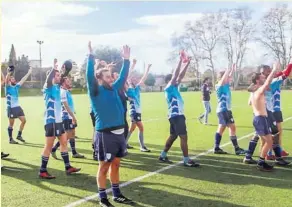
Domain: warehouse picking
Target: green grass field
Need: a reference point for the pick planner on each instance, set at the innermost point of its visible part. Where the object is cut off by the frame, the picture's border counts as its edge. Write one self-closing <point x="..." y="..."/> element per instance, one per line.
<point x="220" y="181"/>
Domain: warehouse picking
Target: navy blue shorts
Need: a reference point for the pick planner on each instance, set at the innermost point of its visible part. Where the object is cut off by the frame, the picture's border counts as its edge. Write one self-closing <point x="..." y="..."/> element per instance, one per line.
<point x="54" y="129"/>
<point x="178" y="125"/>
<point x="108" y="145"/>
<point x="262" y="126"/>
<point x="136" y="117"/>
<point x="68" y="125"/>
<point x="272" y="122"/>
<point x="225" y="118"/>
<point x="278" y="116"/>
<point x="15" y="112"/>
<point x="92" y="118"/>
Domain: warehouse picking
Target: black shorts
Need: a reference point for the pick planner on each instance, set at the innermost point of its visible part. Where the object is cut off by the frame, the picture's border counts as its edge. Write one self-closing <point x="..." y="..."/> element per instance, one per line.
<point x="178" y="126"/>
<point x="15" y="112"/>
<point x="225" y="118"/>
<point x="92" y="118"/>
<point x="262" y="126"/>
<point x="108" y="145"/>
<point x="67" y="124"/>
<point x="278" y="116"/>
<point x="136" y="117"/>
<point x="54" y="129"/>
<point x="272" y="122"/>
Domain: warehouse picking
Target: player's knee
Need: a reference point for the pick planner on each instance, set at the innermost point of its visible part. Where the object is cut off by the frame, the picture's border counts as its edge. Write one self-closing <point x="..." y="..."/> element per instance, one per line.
<point x="255" y="138"/>
<point x="103" y="169"/>
<point x="173" y="137"/>
<point x="183" y="137"/>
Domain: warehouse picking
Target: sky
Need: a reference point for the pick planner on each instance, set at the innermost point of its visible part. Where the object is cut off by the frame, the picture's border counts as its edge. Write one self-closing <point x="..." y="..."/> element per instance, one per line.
<point x="147" y="27"/>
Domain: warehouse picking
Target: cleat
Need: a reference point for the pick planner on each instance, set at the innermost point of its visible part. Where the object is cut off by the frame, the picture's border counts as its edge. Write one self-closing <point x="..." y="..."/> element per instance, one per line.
<point x="191" y="163"/>
<point x="54" y="155"/>
<point x="200" y="120"/>
<point x="250" y="161"/>
<point x="130" y="147"/>
<point x="72" y="170"/>
<point x="78" y="156"/>
<point x="270" y="157"/>
<point x="165" y="160"/>
<point x="122" y="199"/>
<point x="20" y="139"/>
<point x="46" y="175"/>
<point x="282" y="162"/>
<point x="265" y="167"/>
<point x="219" y="151"/>
<point x="144" y="149"/>
<point x="240" y="151"/>
<point x="284" y="153"/>
<point x="3" y="155"/>
<point x="104" y="202"/>
<point x="12" y="141"/>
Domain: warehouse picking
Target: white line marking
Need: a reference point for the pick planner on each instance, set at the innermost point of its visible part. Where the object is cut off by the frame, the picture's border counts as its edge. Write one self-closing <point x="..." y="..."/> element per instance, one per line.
<point x="83" y="200"/>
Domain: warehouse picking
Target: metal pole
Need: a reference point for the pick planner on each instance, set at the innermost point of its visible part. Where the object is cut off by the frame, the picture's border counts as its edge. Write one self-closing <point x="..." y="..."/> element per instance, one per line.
<point x="40" y="51"/>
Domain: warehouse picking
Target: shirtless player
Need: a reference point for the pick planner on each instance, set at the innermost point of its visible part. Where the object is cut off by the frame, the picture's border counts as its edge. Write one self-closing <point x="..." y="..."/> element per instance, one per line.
<point x="261" y="123"/>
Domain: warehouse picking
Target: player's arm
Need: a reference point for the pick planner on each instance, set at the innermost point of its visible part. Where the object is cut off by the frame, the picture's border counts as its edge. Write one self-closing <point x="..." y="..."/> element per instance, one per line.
<point x="21" y="82"/>
<point x="120" y="82"/>
<point x="132" y="68"/>
<point x="8" y="75"/>
<point x="92" y="85"/>
<point x="65" y="103"/>
<point x="145" y="75"/>
<point x="183" y="72"/>
<point x="267" y="83"/>
<point x="226" y="75"/>
<point x="175" y="73"/>
<point x="285" y="72"/>
<point x="50" y="76"/>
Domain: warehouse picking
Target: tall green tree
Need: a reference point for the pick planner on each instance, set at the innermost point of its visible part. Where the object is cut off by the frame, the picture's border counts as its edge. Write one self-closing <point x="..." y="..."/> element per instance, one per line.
<point x="12" y="56"/>
<point x="150" y="80"/>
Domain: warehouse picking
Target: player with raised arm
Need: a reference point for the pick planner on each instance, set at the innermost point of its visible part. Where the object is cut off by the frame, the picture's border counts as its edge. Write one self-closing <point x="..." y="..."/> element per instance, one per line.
<point x="261" y="122"/>
<point x="272" y="97"/>
<point x="68" y="117"/>
<point x="133" y="93"/>
<point x="224" y="112"/>
<point x="176" y="116"/>
<point x="53" y="124"/>
<point x="109" y="139"/>
<point x="14" y="110"/>
<point x="276" y="98"/>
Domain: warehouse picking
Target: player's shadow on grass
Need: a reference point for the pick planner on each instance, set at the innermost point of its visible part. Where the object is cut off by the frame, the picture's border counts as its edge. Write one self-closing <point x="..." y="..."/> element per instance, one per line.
<point x="29" y="174"/>
<point x="229" y="170"/>
<point x="148" y="194"/>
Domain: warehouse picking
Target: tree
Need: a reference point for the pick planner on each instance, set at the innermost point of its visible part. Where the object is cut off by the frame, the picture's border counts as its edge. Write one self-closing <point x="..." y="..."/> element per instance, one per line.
<point x="204" y="35"/>
<point x="21" y="67"/>
<point x="237" y="29"/>
<point x="150" y="80"/>
<point x="190" y="45"/>
<point x="12" y="56"/>
<point x="109" y="55"/>
<point x="276" y="33"/>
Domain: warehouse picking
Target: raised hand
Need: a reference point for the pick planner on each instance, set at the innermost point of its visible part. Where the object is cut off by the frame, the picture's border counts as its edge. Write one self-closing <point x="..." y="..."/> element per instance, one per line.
<point x="134" y="61"/>
<point x="149" y="66"/>
<point x="126" y="52"/>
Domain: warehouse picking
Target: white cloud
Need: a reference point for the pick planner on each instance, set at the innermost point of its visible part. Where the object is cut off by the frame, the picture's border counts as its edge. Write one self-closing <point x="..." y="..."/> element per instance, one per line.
<point x="150" y="44"/>
<point x="25" y="23"/>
